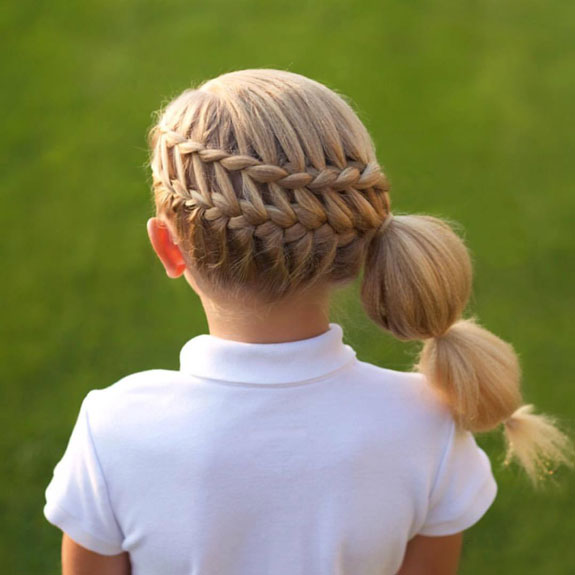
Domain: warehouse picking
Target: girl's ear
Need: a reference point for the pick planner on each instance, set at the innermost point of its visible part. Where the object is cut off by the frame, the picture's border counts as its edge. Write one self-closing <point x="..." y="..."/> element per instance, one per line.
<point x="165" y="248"/>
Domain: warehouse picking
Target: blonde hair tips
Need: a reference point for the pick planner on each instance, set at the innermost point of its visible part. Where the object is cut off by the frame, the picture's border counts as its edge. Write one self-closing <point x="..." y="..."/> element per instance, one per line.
<point x="416" y="285"/>
<point x="272" y="184"/>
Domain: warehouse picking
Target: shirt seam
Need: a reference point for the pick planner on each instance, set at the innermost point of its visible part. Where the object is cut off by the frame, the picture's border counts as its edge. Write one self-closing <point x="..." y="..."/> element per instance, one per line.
<point x="468" y="514"/>
<point x="100" y="468"/>
<point x="442" y="463"/>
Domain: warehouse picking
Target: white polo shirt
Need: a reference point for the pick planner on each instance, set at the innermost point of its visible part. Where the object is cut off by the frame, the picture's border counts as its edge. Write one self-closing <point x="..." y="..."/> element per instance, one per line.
<point x="292" y="458"/>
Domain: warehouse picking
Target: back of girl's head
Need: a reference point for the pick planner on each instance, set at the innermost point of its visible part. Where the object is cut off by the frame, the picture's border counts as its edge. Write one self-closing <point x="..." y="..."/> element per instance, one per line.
<point x="272" y="184"/>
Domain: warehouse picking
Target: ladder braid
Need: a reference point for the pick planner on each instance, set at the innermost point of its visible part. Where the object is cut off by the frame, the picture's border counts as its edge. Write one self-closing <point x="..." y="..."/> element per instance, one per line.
<point x="355" y="174"/>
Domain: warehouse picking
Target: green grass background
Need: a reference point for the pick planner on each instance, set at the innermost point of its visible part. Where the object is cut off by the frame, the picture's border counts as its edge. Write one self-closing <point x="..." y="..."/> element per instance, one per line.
<point x="471" y="108"/>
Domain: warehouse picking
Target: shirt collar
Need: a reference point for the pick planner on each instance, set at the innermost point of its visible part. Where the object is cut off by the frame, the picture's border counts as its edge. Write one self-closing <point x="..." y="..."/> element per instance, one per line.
<point x="209" y="356"/>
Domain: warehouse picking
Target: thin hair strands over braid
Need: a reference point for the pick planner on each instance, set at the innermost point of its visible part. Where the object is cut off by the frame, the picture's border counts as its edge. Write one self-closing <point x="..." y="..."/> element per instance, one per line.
<point x="354" y="174"/>
<point x="273" y="186"/>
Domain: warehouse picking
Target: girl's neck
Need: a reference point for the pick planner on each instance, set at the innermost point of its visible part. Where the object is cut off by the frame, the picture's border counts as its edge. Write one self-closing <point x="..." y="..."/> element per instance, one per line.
<point x="301" y="317"/>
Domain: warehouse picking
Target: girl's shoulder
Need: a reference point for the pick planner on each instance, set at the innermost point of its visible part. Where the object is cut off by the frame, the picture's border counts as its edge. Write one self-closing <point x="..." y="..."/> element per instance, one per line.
<point x="141" y="382"/>
<point x="405" y="395"/>
<point x="412" y="386"/>
<point x="133" y="398"/>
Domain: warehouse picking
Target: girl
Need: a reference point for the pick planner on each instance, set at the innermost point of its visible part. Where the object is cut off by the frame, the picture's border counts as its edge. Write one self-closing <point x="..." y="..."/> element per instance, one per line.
<point x="273" y="449"/>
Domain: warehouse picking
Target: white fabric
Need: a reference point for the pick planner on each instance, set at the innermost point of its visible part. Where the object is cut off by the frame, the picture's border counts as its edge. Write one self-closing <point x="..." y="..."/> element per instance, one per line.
<point x="292" y="458"/>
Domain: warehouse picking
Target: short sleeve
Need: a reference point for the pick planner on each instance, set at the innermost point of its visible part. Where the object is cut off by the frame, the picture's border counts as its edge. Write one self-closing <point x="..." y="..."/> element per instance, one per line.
<point x="464" y="487"/>
<point x="77" y="500"/>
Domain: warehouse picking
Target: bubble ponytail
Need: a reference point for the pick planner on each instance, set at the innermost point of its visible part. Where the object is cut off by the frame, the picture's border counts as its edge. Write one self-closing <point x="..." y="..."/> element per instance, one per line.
<point x="417" y="282"/>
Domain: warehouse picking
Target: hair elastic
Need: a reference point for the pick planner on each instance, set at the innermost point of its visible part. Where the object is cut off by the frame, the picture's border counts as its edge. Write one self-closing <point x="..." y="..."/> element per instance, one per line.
<point x="509" y="422"/>
<point x="385" y="223"/>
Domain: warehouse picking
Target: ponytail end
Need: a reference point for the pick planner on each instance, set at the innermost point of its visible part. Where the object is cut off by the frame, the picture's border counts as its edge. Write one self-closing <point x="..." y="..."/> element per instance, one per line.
<point x="539" y="446"/>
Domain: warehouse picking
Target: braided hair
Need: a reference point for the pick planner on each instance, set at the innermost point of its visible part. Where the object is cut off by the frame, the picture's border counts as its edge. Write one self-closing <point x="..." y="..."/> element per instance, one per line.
<point x="273" y="186"/>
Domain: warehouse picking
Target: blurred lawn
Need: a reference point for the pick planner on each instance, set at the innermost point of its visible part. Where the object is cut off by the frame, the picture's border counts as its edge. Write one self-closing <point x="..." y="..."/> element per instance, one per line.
<point x="471" y="107"/>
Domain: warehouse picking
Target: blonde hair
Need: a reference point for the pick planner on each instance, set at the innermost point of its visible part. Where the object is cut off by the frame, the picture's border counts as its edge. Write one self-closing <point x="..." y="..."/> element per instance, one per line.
<point x="273" y="185"/>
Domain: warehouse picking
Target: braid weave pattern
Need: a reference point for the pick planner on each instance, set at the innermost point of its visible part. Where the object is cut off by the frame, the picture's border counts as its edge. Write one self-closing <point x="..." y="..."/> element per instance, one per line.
<point x="293" y="219"/>
<point x="355" y="174"/>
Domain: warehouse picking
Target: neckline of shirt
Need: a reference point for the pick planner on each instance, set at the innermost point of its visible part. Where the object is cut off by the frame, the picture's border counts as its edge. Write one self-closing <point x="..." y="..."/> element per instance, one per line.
<point x="209" y="356"/>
